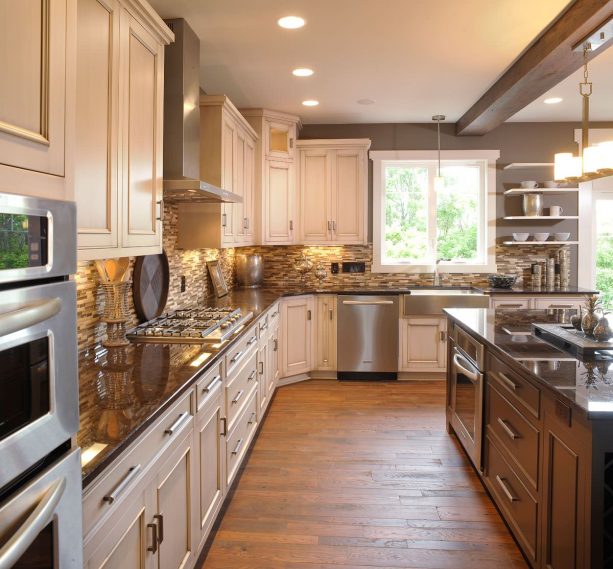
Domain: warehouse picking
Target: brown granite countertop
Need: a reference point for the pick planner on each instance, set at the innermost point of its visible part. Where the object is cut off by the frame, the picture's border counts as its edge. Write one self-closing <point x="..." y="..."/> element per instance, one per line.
<point x="123" y="390"/>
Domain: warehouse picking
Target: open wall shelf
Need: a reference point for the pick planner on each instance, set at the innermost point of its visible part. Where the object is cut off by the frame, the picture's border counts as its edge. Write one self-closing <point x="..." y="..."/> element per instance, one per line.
<point x="527" y="165"/>
<point x="539" y="217"/>
<point x="548" y="191"/>
<point x="540" y="242"/>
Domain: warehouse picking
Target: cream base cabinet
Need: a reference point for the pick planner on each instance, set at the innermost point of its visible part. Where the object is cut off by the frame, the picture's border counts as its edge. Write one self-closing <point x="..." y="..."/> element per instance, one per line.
<point x="263" y="371"/>
<point x="325" y="333"/>
<point x="423" y="344"/>
<point x="275" y="173"/>
<point x="119" y="105"/>
<point x="37" y="66"/>
<point x="333" y="191"/>
<point x="296" y="335"/>
<point x="540" y="302"/>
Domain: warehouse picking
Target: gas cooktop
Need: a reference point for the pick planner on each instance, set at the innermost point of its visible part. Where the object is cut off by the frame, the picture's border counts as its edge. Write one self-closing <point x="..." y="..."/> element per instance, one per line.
<point x="191" y="326"/>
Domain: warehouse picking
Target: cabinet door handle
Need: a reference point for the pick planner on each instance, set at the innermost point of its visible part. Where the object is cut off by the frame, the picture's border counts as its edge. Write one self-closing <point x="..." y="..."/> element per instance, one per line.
<point x="308" y="314"/>
<point x="508" y="430"/>
<point x="329" y="226"/>
<point x="170" y="430"/>
<point x="508" y="381"/>
<point x="503" y="484"/>
<point x="291" y="225"/>
<point x="251" y="419"/>
<point x="237" y="397"/>
<point x="261" y="368"/>
<point x="211" y="385"/>
<point x="224" y="431"/>
<point x="239" y="444"/>
<point x="160" y="520"/>
<point x="442" y="335"/>
<point x="154" y="538"/>
<point x="331" y="313"/>
<point x="276" y="345"/>
<point x="160" y="204"/>
<point x="333" y="225"/>
<point x="240" y="353"/>
<point x="291" y="143"/>
<point x="118" y="490"/>
<point x="224" y="220"/>
<point x="251" y="376"/>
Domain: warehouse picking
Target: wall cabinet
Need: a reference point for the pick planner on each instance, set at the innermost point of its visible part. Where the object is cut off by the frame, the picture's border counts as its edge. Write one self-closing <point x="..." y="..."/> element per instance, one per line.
<point x="275" y="173"/>
<point x="227" y="160"/>
<point x="423" y="343"/>
<point x="333" y="191"/>
<point x="37" y="64"/>
<point x="119" y="106"/>
<point x="296" y="335"/>
<point x="325" y="336"/>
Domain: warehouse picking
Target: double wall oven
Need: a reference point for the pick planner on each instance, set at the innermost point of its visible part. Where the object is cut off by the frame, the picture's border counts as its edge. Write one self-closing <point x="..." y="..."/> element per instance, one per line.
<point x="40" y="472"/>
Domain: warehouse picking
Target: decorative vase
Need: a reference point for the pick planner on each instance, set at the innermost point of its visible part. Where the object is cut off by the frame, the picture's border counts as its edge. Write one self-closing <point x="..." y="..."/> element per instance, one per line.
<point x="116" y="313"/>
<point x="590" y="320"/>
<point x="576" y="320"/>
<point x="603" y="332"/>
<point x="320" y="273"/>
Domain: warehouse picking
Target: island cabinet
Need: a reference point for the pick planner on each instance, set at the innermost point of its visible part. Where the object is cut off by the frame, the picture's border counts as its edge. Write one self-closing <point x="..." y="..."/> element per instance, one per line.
<point x="118" y="151"/>
<point x="544" y="301"/>
<point x="37" y="66"/>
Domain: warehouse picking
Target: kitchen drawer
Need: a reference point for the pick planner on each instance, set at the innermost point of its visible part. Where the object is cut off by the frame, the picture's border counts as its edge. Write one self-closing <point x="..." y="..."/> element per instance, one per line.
<point x="240" y="386"/>
<point x="208" y="386"/>
<point x="240" y="437"/>
<point x="263" y="326"/>
<point x="518" y="389"/>
<point x="519" y="509"/>
<point x="516" y="434"/>
<point x="236" y="355"/>
<point x="106" y="494"/>
<point x="510" y="302"/>
<point x="559" y="303"/>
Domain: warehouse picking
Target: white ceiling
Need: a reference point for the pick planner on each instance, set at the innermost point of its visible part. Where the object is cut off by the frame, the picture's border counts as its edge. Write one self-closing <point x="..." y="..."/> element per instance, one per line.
<point x="601" y="101"/>
<point x="415" y="58"/>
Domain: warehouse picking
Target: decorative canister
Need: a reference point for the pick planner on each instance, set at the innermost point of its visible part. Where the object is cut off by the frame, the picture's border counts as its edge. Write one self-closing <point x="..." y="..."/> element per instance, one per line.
<point x="249" y="271"/>
<point x="532" y="204"/>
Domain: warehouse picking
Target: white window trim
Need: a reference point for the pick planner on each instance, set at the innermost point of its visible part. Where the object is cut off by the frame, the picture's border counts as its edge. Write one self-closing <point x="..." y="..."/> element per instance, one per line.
<point x="379" y="157"/>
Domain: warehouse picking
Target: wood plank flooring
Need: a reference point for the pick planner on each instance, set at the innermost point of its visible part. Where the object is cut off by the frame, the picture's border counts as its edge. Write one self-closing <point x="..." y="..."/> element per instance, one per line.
<point x="360" y="475"/>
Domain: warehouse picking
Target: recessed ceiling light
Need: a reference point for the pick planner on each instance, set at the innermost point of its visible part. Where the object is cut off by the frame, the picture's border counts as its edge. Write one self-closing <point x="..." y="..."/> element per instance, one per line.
<point x="365" y="101"/>
<point x="291" y="22"/>
<point x="553" y="100"/>
<point x="303" y="72"/>
<point x="310" y="103"/>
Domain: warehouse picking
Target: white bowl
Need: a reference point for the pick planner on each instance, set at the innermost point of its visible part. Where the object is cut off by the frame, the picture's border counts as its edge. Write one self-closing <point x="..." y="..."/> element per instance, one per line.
<point x="541" y="236"/>
<point x="561" y="236"/>
<point x="529" y="184"/>
<point x="520" y="236"/>
<point x="551" y="184"/>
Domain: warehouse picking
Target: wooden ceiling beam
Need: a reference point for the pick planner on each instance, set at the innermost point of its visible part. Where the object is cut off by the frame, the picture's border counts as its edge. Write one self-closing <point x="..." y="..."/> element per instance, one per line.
<point x="547" y="61"/>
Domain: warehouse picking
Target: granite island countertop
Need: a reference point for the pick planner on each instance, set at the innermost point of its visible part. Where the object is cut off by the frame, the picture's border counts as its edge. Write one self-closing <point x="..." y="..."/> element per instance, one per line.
<point x="586" y="383"/>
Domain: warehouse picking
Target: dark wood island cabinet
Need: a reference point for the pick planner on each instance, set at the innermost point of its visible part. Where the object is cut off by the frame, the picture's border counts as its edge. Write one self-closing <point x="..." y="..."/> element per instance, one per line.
<point x="546" y="437"/>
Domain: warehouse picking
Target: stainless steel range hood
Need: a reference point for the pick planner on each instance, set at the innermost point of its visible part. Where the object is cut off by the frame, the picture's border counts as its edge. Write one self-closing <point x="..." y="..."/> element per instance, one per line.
<point x="182" y="177"/>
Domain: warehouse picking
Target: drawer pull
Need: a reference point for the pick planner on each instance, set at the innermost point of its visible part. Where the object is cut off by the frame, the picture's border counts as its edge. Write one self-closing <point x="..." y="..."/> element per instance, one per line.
<point x="237" y="397"/>
<point x="251" y="341"/>
<point x="239" y="444"/>
<point x="211" y="385"/>
<point x="240" y="353"/>
<point x="251" y="376"/>
<point x="117" y="491"/>
<point x="224" y="432"/>
<point x="508" y="430"/>
<point x="274" y="315"/>
<point x="264" y="327"/>
<point x="509" y="306"/>
<point x="160" y="520"/>
<point x="503" y="484"/>
<point x="251" y="419"/>
<point x="170" y="430"/>
<point x="508" y="381"/>
<point x="561" y="306"/>
<point x="261" y="368"/>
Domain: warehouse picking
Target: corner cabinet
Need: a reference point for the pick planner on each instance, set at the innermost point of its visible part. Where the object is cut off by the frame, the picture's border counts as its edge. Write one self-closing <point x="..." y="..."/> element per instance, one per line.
<point x="227" y="160"/>
<point x="275" y="173"/>
<point x="296" y="335"/>
<point x="333" y="191"/>
<point x="119" y="120"/>
<point x="37" y="66"/>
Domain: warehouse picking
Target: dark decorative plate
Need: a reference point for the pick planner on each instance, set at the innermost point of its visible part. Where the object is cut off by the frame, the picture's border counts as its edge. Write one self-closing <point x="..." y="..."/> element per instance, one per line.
<point x="150" y="285"/>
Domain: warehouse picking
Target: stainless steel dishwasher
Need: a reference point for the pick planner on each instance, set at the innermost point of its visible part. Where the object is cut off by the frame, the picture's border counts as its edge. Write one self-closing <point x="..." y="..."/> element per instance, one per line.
<point x="367" y="336"/>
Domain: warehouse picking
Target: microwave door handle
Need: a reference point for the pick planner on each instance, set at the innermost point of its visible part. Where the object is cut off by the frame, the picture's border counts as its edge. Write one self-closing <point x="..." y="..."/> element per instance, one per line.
<point x="25" y="535"/>
<point x="467" y="372"/>
<point x="28" y="316"/>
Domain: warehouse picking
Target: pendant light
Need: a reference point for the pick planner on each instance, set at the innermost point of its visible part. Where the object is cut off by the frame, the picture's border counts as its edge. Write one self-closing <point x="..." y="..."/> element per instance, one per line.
<point x="594" y="161"/>
<point x="439" y="181"/>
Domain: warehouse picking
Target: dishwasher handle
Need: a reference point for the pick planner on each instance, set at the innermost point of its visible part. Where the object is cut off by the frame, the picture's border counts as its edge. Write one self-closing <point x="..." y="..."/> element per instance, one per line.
<point x="367" y="302"/>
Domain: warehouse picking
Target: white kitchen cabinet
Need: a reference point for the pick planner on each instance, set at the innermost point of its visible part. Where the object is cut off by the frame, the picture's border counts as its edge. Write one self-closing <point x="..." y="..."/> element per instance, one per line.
<point x="119" y="118"/>
<point x="333" y="191"/>
<point x="37" y="66"/>
<point x="274" y="368"/>
<point x="296" y="334"/>
<point x="423" y="344"/>
<point x="263" y="371"/>
<point x="325" y="336"/>
<point x="275" y="173"/>
<point x="227" y="160"/>
<point x="537" y="302"/>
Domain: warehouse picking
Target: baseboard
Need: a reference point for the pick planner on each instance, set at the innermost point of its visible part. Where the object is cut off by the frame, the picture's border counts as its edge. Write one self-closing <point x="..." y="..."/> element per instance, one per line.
<point x="422" y="376"/>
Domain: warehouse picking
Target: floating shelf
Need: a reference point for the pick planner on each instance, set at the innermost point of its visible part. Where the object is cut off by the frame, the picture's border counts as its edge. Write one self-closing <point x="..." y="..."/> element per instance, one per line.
<point x="539" y="217"/>
<point x="549" y="191"/>
<point x="541" y="242"/>
<point x="526" y="165"/>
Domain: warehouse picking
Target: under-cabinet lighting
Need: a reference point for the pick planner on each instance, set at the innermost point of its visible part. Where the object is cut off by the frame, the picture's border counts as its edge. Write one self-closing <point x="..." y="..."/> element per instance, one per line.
<point x="553" y="100"/>
<point x="310" y="103"/>
<point x="291" y="22"/>
<point x="302" y="72"/>
<point x="91" y="452"/>
<point x="199" y="360"/>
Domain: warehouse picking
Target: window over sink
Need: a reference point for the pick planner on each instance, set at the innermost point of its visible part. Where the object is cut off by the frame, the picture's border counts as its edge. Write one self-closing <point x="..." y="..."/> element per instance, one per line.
<point x="414" y="225"/>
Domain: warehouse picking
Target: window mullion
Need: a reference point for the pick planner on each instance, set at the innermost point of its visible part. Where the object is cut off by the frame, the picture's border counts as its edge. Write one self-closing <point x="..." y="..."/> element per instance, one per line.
<point x="432" y="224"/>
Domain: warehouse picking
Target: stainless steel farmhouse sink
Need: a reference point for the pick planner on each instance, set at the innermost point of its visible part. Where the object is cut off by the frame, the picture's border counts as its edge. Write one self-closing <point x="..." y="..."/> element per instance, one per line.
<point x="433" y="301"/>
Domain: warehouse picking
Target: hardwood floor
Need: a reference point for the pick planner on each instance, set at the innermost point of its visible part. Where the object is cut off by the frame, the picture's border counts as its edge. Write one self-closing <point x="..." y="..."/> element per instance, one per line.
<point x="360" y="475"/>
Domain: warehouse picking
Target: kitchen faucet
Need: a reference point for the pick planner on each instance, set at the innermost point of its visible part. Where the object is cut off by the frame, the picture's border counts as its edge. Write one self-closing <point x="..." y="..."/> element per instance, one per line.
<point x="437" y="276"/>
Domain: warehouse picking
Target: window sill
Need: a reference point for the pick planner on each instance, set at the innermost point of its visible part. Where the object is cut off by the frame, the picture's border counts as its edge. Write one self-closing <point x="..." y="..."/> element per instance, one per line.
<point x="442" y="269"/>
